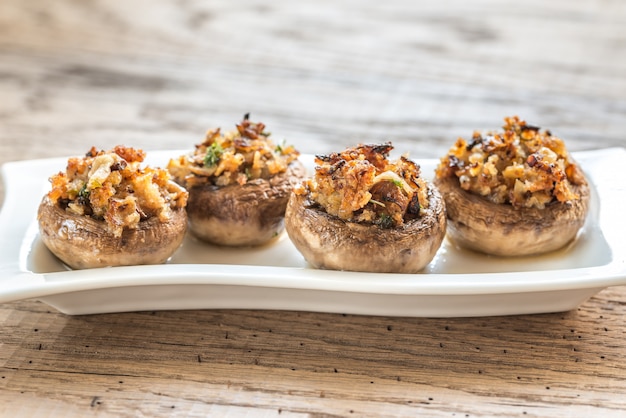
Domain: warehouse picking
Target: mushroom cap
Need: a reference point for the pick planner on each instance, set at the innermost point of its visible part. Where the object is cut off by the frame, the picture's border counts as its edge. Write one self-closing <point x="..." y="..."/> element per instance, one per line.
<point x="82" y="242"/>
<point x="501" y="229"/>
<point x="242" y="215"/>
<point x="328" y="242"/>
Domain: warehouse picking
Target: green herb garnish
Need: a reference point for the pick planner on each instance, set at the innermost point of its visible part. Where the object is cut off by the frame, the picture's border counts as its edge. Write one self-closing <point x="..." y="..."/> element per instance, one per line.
<point x="281" y="147"/>
<point x="213" y="154"/>
<point x="83" y="196"/>
<point x="84" y="193"/>
<point x="385" y="221"/>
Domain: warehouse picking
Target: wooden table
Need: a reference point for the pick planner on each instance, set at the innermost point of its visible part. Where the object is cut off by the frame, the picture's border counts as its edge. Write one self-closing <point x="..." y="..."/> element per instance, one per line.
<point x="324" y="75"/>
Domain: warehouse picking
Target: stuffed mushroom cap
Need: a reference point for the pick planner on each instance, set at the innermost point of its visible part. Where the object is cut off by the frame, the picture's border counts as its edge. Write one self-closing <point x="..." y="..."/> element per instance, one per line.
<point x="362" y="212"/>
<point x="82" y="242"/>
<point x="239" y="183"/>
<point x="106" y="210"/>
<point x="513" y="193"/>
<point x="242" y="215"/>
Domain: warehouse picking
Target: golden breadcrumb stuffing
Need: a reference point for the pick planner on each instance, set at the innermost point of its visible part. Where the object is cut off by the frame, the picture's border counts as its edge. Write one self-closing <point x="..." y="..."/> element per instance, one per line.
<point x="234" y="157"/>
<point x="360" y="184"/>
<point x="111" y="186"/>
<point x="522" y="166"/>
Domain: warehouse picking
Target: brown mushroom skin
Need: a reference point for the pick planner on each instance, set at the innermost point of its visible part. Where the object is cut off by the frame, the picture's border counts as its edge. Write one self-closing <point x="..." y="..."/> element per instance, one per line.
<point x="327" y="242"/>
<point x="502" y="230"/>
<point x="242" y="215"/>
<point x="82" y="242"/>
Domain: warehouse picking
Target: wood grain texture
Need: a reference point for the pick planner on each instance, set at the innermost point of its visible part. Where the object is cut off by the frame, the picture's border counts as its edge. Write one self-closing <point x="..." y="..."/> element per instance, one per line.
<point x="295" y="362"/>
<point x="322" y="75"/>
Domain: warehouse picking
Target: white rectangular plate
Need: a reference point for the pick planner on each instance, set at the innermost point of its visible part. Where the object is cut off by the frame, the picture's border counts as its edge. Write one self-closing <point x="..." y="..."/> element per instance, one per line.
<point x="456" y="283"/>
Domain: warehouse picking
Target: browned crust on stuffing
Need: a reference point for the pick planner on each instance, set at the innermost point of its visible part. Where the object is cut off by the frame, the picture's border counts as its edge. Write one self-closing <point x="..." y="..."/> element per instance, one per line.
<point x="360" y="184"/>
<point x="112" y="187"/>
<point x="233" y="157"/>
<point x="521" y="165"/>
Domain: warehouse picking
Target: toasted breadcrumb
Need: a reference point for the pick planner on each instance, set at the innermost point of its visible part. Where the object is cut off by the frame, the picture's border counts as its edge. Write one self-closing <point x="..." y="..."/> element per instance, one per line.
<point x="522" y="166"/>
<point x="360" y="184"/>
<point x="234" y="157"/>
<point x="111" y="186"/>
